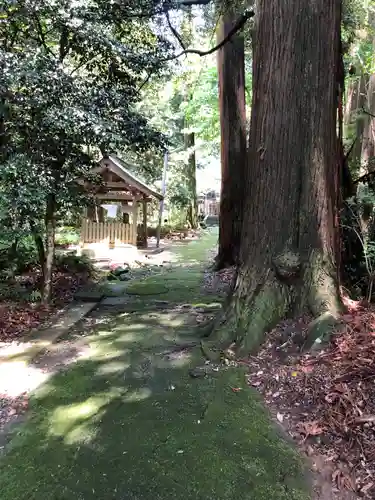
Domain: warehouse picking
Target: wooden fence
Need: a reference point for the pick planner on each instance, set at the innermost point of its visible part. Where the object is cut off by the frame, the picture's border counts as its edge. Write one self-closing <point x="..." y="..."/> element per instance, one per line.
<point x="112" y="233"/>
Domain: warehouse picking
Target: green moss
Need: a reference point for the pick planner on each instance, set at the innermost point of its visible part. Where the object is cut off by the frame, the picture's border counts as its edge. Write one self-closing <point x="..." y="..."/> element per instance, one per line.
<point x="248" y="318"/>
<point x="127" y="421"/>
<point x="270" y="304"/>
<point x="146" y="288"/>
<point x="112" y="436"/>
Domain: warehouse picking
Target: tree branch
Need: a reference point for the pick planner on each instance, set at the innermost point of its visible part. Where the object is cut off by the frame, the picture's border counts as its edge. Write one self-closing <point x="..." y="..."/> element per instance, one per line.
<point x="83" y="63"/>
<point x="239" y="24"/>
<point x="42" y="35"/>
<point x="189" y="3"/>
<point x="174" y="31"/>
<point x="64" y="43"/>
<point x="145" y="81"/>
<point x="367" y="113"/>
<point x="364" y="178"/>
<point x="347" y="154"/>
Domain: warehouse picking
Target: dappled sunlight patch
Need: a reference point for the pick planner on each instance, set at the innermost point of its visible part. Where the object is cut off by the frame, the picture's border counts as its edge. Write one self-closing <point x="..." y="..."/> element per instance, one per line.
<point x="82" y="433"/>
<point x="112" y="368"/>
<point x="127" y="338"/>
<point x="169" y="321"/>
<point x="44" y="391"/>
<point x="65" y="419"/>
<point x="133" y="326"/>
<point x="102" y="333"/>
<point x="18" y="377"/>
<point x="137" y="395"/>
<point x="176" y="360"/>
<point x="104" y="352"/>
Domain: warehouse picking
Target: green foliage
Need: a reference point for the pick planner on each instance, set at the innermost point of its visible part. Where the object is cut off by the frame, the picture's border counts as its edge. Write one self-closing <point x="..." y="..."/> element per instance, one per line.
<point x="35" y="296"/>
<point x="359" y="220"/>
<point x="358" y="31"/>
<point x="23" y="258"/>
<point x="67" y="236"/>
<point x="353" y="18"/>
<point x="70" y="73"/>
<point x="202" y="111"/>
<point x="74" y="264"/>
<point x="26" y="257"/>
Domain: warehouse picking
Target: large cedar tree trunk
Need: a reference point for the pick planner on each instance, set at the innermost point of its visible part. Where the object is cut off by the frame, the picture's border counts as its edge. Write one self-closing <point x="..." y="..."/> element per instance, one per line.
<point x="289" y="235"/>
<point x="232" y="105"/>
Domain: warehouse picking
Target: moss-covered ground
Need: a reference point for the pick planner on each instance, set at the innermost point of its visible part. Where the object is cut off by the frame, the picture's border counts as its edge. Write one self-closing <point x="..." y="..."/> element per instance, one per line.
<point x="127" y="421"/>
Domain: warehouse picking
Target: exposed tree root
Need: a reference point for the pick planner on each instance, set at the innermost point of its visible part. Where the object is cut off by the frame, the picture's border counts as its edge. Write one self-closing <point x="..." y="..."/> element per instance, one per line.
<point x="286" y="290"/>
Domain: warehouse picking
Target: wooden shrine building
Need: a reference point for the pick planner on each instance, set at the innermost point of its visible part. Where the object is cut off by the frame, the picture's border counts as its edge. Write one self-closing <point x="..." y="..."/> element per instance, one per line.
<point x="120" y="199"/>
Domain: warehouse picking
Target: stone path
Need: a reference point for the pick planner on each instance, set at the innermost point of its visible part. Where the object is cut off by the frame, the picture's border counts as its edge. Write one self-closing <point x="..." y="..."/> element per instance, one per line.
<point x="125" y="420"/>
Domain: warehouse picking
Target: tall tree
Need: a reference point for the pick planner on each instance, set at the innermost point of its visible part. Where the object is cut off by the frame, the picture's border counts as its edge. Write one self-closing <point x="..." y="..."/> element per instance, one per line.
<point x="191" y="177"/>
<point x="69" y="80"/>
<point x="289" y="244"/>
<point x="232" y="105"/>
<point x="189" y="135"/>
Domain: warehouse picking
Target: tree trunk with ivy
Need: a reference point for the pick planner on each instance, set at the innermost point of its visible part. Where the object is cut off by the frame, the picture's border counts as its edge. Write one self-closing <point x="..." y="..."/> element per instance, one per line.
<point x="289" y="236"/>
<point x="231" y="70"/>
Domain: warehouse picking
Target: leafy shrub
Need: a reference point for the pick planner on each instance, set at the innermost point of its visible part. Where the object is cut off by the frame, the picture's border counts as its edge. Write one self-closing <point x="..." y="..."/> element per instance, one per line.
<point x="74" y="264"/>
<point x="358" y="231"/>
<point x="26" y="256"/>
<point x="67" y="236"/>
<point x="23" y="259"/>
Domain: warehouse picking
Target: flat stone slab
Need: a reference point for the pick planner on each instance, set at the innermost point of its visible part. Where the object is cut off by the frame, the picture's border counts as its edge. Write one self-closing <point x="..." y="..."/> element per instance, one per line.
<point x="115" y="301"/>
<point x="115" y="288"/>
<point x="33" y="343"/>
<point x="89" y="295"/>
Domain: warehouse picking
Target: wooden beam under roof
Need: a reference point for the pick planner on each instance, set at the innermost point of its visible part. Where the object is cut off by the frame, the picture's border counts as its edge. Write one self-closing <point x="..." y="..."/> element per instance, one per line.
<point x="112" y="196"/>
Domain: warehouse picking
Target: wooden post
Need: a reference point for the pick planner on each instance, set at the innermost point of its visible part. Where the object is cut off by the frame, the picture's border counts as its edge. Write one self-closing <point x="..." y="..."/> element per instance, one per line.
<point x="101" y="214"/>
<point x="135" y="218"/>
<point x="125" y="215"/>
<point x="83" y="228"/>
<point x="144" y="213"/>
<point x="91" y="213"/>
<point x="164" y="183"/>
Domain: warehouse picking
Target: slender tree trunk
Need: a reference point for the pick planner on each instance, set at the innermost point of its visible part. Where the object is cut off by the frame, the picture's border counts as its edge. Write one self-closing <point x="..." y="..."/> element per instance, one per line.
<point x="191" y="174"/>
<point x="362" y="83"/>
<point x="289" y="235"/>
<point x="187" y="30"/>
<point x="232" y="104"/>
<point x="368" y="144"/>
<point x="40" y="249"/>
<point x="50" y="223"/>
<point x="367" y="158"/>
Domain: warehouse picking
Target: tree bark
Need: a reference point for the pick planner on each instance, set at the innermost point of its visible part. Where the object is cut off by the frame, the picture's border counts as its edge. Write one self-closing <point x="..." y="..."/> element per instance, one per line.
<point x="367" y="159"/>
<point x="40" y="249"/>
<point x="354" y="118"/>
<point x="232" y="105"/>
<point x="355" y="157"/>
<point x="289" y="235"/>
<point x="368" y="145"/>
<point x="50" y="222"/>
<point x="191" y="174"/>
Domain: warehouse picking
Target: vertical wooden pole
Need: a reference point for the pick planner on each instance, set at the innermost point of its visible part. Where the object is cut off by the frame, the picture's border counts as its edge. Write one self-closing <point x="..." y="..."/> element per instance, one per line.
<point x="144" y="213"/>
<point x="135" y="218"/>
<point x="163" y="188"/>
